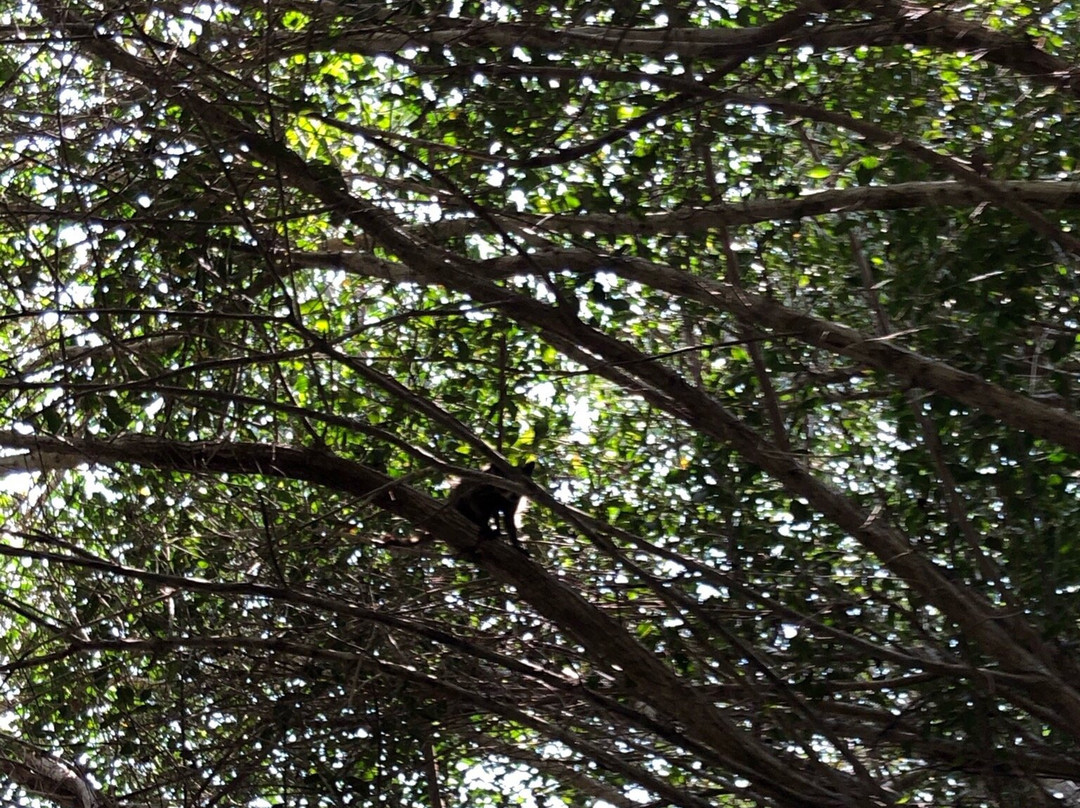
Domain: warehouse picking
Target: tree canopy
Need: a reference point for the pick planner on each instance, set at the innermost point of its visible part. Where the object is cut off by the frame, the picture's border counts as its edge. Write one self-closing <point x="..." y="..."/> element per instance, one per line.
<point x="781" y="298"/>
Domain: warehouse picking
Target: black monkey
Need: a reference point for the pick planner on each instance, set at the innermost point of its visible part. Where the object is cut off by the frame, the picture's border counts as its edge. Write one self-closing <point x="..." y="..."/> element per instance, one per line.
<point x="492" y="508"/>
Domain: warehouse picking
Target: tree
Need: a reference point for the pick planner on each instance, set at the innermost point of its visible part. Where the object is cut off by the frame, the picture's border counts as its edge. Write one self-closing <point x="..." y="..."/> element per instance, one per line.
<point x="784" y="301"/>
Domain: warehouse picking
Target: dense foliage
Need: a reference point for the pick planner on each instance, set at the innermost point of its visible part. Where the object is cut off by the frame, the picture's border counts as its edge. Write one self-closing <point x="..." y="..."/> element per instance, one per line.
<point x="783" y="299"/>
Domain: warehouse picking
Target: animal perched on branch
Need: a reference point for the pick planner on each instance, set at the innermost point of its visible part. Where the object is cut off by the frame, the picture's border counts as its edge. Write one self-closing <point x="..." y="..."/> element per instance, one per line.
<point x="492" y="508"/>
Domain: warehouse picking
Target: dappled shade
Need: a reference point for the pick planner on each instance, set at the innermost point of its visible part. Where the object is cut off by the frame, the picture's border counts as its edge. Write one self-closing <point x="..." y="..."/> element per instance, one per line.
<point x="771" y="313"/>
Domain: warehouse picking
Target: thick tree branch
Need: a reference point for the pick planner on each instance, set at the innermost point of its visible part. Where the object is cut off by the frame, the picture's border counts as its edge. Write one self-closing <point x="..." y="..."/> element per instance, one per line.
<point x="942" y="162"/>
<point x="48" y="777"/>
<point x="606" y="641"/>
<point x="881" y="353"/>
<point x="906" y="23"/>
<point x="1046" y="195"/>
